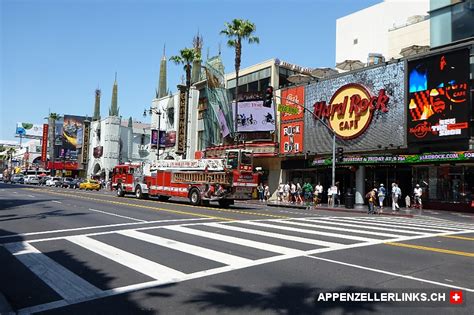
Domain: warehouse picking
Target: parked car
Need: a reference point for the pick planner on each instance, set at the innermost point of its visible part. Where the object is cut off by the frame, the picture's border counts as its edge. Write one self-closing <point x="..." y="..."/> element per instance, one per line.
<point x="59" y="183"/>
<point x="43" y="180"/>
<point x="31" y="180"/>
<point x="18" y="179"/>
<point x="90" y="184"/>
<point x="77" y="182"/>
<point x="67" y="182"/>
<point x="52" y="181"/>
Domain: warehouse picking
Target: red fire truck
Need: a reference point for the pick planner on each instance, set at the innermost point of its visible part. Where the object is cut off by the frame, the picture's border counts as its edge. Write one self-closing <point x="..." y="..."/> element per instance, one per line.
<point x="201" y="181"/>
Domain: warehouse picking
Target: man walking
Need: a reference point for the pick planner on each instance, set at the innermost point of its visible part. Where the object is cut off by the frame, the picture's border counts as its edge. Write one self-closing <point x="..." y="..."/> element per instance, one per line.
<point x="396" y="194"/>
<point x="381" y="195"/>
<point x="417" y="192"/>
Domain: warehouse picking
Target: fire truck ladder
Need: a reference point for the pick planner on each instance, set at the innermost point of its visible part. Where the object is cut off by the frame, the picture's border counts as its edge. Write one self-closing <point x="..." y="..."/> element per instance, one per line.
<point x="201" y="178"/>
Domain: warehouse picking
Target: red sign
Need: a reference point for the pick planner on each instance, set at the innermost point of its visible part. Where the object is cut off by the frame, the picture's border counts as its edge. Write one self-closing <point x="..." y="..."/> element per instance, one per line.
<point x="66" y="165"/>
<point x="44" y="143"/>
<point x="455" y="297"/>
<point x="350" y="110"/>
<point x="288" y="109"/>
<point x="291" y="137"/>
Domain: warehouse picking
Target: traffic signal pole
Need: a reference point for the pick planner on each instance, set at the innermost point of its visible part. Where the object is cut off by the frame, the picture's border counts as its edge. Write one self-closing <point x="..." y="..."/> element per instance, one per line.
<point x="333" y="177"/>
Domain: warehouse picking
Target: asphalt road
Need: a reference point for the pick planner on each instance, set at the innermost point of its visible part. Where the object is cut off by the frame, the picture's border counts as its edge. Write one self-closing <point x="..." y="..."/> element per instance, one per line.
<point x="75" y="252"/>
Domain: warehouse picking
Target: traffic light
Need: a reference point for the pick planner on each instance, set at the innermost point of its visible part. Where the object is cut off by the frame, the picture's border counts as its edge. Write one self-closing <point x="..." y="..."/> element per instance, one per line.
<point x="268" y="99"/>
<point x="340" y="154"/>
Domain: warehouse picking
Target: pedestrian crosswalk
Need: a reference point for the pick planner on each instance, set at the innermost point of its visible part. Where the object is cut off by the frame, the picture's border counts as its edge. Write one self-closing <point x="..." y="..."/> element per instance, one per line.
<point x="228" y="245"/>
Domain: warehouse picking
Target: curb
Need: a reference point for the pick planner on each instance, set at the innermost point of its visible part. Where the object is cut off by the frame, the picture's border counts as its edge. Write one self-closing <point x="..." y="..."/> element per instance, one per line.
<point x="5" y="307"/>
<point x="341" y="210"/>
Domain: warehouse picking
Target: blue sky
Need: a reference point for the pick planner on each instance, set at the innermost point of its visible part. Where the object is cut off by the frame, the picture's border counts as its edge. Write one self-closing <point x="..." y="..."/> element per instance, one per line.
<point x="55" y="53"/>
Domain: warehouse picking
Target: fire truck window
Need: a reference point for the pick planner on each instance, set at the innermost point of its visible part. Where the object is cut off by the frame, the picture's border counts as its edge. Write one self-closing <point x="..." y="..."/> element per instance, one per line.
<point x="233" y="160"/>
<point x="246" y="158"/>
<point x="131" y="170"/>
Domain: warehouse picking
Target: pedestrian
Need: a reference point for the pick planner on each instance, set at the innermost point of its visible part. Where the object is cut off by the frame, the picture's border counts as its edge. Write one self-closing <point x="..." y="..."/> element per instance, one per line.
<point x="308" y="192"/>
<point x="266" y="192"/>
<point x="330" y="201"/>
<point x="336" y="193"/>
<point x="299" y="193"/>
<point x="286" y="192"/>
<point x="381" y="194"/>
<point x="396" y="194"/>
<point x="417" y="193"/>
<point x="292" y="192"/>
<point x="260" y="191"/>
<point x="280" y="191"/>
<point x="371" y="200"/>
<point x="318" y="193"/>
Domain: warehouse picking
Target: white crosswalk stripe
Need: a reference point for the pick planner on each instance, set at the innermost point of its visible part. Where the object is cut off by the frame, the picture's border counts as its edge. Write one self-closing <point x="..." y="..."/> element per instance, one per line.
<point x="324" y="233"/>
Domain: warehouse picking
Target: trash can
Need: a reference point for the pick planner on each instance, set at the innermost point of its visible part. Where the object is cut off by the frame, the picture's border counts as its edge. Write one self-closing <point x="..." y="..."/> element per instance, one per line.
<point x="349" y="200"/>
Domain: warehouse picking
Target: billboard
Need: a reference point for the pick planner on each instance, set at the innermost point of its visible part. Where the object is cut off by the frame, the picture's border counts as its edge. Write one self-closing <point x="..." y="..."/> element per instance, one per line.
<point x="366" y="109"/>
<point x="288" y="109"/>
<point x="254" y="116"/>
<point x="72" y="136"/>
<point x="438" y="97"/>
<point x="291" y="137"/>
<point x="170" y="139"/>
<point x="29" y="130"/>
<point x="154" y="139"/>
<point x="44" y="143"/>
<point x="182" y="122"/>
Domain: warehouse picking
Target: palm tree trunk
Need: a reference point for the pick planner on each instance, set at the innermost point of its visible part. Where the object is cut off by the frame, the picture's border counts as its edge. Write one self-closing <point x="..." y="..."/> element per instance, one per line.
<point x="238" y="53"/>
<point x="188" y="87"/>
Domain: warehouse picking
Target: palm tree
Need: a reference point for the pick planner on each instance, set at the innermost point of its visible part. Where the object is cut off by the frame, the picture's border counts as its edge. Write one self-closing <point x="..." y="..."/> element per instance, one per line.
<point x="236" y="31"/>
<point x="186" y="57"/>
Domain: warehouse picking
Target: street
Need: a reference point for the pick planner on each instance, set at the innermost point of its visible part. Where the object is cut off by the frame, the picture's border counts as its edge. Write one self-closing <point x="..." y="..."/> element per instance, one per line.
<point x="67" y="251"/>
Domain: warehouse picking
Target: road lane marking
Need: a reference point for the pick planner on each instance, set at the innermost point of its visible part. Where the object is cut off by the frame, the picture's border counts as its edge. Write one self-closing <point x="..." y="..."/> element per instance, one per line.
<point x="398" y="275"/>
<point x="31" y="196"/>
<point x="132" y="261"/>
<point x="325" y="227"/>
<point x="412" y="226"/>
<point x="330" y="221"/>
<point x="431" y="249"/>
<point x="206" y="253"/>
<point x="67" y="284"/>
<point x="279" y="227"/>
<point x="425" y="222"/>
<point x="236" y="240"/>
<point x="15" y="192"/>
<point x="275" y="235"/>
<point x="460" y="237"/>
<point x="148" y="207"/>
<point x="116" y="215"/>
<point x="180" y="204"/>
<point x="97" y="227"/>
<point x="55" y="201"/>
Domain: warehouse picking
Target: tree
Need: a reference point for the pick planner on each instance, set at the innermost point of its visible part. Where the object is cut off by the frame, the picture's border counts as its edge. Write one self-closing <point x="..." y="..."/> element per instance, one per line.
<point x="186" y="57"/>
<point x="237" y="31"/>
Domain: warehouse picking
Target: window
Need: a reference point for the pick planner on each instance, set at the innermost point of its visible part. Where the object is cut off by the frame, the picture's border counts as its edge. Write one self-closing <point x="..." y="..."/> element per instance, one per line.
<point x="246" y="158"/>
<point x="233" y="159"/>
<point x="355" y="41"/>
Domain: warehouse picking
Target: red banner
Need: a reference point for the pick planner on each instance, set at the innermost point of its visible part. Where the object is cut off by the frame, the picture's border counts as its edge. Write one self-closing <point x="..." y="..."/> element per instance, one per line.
<point x="44" y="143"/>
<point x="291" y="137"/>
<point x="66" y="165"/>
<point x="288" y="109"/>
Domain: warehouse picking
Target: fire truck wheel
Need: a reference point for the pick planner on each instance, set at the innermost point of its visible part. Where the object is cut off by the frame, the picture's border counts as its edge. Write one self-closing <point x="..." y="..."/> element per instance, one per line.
<point x="120" y="191"/>
<point x="195" y="197"/>
<point x="138" y="192"/>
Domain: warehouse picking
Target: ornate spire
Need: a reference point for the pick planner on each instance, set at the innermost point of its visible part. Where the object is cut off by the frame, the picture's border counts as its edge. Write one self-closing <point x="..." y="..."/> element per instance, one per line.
<point x="114" y="109"/>
<point x="162" y="80"/>
<point x="97" y="105"/>
<point x="196" y="69"/>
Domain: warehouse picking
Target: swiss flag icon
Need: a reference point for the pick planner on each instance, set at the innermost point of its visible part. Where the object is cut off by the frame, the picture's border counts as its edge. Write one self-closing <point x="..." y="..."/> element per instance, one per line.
<point x="455" y="297"/>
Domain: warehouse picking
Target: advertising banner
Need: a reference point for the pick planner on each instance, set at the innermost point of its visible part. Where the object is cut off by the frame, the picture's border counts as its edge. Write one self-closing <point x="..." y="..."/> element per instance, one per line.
<point x="162" y="139"/>
<point x="438" y="97"/>
<point x="44" y="143"/>
<point x="291" y="137"/>
<point x="72" y="128"/>
<point x="438" y="157"/>
<point x="254" y="116"/>
<point x="366" y="110"/>
<point x="85" y="143"/>
<point x="182" y="122"/>
<point x="170" y="139"/>
<point x="98" y="151"/>
<point x="154" y="138"/>
<point x="28" y="130"/>
<point x="288" y="109"/>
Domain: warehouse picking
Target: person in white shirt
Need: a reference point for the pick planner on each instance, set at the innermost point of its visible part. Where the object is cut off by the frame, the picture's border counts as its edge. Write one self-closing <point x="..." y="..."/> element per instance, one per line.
<point x="292" y="192"/>
<point x="318" y="193"/>
<point x="417" y="192"/>
<point x="286" y="192"/>
<point x="280" y="192"/>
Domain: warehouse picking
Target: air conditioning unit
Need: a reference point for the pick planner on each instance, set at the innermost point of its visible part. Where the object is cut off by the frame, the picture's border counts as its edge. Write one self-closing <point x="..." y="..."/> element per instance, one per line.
<point x="375" y="59"/>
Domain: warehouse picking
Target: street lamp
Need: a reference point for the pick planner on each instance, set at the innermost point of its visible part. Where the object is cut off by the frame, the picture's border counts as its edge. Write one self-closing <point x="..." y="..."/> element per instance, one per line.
<point x="158" y="112"/>
<point x="333" y="177"/>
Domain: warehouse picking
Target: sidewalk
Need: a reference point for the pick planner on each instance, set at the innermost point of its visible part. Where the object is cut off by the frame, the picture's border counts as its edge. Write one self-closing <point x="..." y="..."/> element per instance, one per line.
<point x="360" y="209"/>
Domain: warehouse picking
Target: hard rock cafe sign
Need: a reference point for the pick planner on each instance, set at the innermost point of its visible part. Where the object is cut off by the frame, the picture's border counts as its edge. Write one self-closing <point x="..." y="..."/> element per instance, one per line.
<point x="350" y="110"/>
